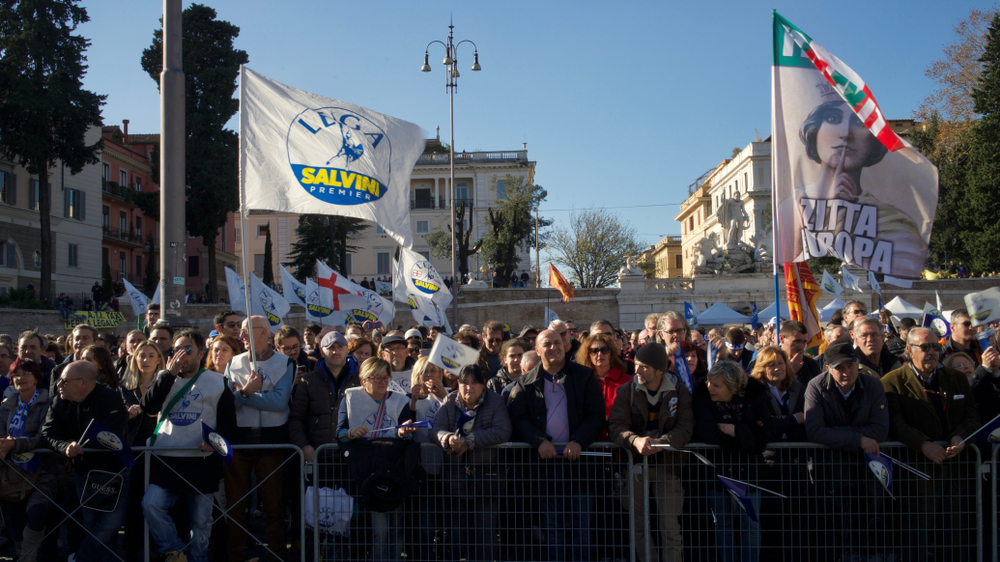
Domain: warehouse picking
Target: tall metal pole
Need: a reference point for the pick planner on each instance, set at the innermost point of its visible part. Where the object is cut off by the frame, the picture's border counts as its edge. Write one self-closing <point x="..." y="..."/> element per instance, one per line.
<point x="173" y="274"/>
<point x="538" y="262"/>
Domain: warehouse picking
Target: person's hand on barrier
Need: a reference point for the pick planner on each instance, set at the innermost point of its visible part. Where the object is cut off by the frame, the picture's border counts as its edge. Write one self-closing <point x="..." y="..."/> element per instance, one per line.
<point x="6" y="445"/>
<point x="727" y="428"/>
<point x="73" y="450"/>
<point x="404" y="431"/>
<point x="547" y="450"/>
<point x="572" y="451"/>
<point x="309" y="453"/>
<point x="205" y="447"/>
<point x="869" y="445"/>
<point x="255" y="383"/>
<point x="458" y="445"/>
<point x="644" y="445"/>
<point x="956" y="447"/>
<point x="359" y="431"/>
<point x="934" y="452"/>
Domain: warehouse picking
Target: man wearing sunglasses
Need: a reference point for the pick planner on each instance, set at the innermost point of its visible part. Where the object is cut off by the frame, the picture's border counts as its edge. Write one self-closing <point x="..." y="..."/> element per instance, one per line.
<point x="492" y="340"/>
<point x="227" y="323"/>
<point x="963" y="336"/>
<point x="930" y="403"/>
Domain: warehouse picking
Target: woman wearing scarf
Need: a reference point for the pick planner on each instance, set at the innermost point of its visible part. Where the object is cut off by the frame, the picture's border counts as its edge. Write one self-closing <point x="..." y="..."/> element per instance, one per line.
<point x="21" y="418"/>
<point x="470" y="422"/>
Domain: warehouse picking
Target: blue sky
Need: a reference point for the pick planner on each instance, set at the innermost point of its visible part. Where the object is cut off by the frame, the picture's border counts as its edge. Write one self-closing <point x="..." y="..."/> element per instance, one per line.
<point x="622" y="104"/>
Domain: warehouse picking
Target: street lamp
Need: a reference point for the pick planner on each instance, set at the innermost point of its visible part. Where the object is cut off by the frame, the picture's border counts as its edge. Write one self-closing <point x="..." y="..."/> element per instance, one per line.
<point x="451" y="84"/>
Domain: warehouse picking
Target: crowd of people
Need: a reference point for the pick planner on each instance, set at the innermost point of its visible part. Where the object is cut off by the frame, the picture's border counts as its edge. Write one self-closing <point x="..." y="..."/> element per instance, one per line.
<point x="409" y="433"/>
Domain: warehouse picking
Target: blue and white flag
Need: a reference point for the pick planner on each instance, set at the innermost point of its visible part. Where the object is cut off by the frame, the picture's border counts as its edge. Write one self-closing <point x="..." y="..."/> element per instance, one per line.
<point x="881" y="467"/>
<point x="415" y="274"/>
<point x="713" y="352"/>
<point x="136" y="298"/>
<point x="384" y="289"/>
<point x="873" y="283"/>
<point x="304" y="153"/>
<point x="218" y="442"/>
<point x="550" y="316"/>
<point x="990" y="432"/>
<point x="849" y="280"/>
<point x="754" y="320"/>
<point x="451" y="355"/>
<point x="426" y="312"/>
<point x="28" y="460"/>
<point x="739" y="492"/>
<point x="682" y="368"/>
<point x="98" y="434"/>
<point x="986" y="338"/>
<point x="830" y="286"/>
<point x="691" y="314"/>
<point x="935" y="320"/>
<point x="264" y="301"/>
<point x="294" y="290"/>
<point x="984" y="306"/>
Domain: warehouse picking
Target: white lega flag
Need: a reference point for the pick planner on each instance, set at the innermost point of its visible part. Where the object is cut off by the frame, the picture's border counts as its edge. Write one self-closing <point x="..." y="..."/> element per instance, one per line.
<point x="829" y="285"/>
<point x="873" y="283"/>
<point x="415" y="275"/>
<point x="305" y="153"/>
<point x="293" y="289"/>
<point x="451" y="355"/>
<point x="136" y="298"/>
<point x="550" y="315"/>
<point x="264" y="301"/>
<point x="849" y="279"/>
<point x="338" y="293"/>
<point x="317" y="312"/>
<point x="426" y="312"/>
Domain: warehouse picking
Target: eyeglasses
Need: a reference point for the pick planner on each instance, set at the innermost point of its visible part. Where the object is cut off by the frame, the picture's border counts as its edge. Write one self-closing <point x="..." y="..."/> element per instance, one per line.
<point x="231" y="325"/>
<point x="61" y="381"/>
<point x="383" y="378"/>
<point x="674" y="332"/>
<point x="961" y="366"/>
<point x="928" y="347"/>
<point x="859" y="311"/>
<point x="494" y="340"/>
<point x="967" y="323"/>
<point x="599" y="350"/>
<point x="572" y="330"/>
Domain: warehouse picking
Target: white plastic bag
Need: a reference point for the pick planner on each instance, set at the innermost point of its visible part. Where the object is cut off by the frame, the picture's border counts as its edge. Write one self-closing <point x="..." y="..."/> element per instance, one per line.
<point x="335" y="509"/>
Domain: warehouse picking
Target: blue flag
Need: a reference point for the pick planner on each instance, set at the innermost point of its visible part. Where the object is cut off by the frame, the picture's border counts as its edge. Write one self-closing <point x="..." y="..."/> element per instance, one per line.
<point x="881" y="467"/>
<point x="97" y="433"/>
<point x="27" y="461"/>
<point x="218" y="442"/>
<point x="754" y="321"/>
<point x="713" y="353"/>
<point x="990" y="432"/>
<point x="683" y="371"/>
<point x="935" y="320"/>
<point x="739" y="492"/>
<point x="691" y="314"/>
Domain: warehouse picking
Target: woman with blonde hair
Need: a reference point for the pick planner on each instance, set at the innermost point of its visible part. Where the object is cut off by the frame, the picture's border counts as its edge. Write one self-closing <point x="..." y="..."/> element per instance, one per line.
<point x="427" y="395"/>
<point x="787" y="396"/>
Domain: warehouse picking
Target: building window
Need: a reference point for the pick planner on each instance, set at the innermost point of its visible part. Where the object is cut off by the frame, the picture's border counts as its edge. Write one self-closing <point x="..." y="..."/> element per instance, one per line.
<point x="690" y="224"/>
<point x="107" y="172"/>
<point x="425" y="253"/>
<point x="74" y="255"/>
<point x="423" y="198"/>
<point x="122" y="222"/>
<point x="138" y="229"/>
<point x="382" y="259"/>
<point x="122" y="178"/>
<point x="138" y="184"/>
<point x="75" y="204"/>
<point x="379" y="230"/>
<point x="462" y="192"/>
<point x="33" y="195"/>
<point x="423" y="227"/>
<point x="194" y="269"/>
<point x="8" y="188"/>
<point x="501" y="189"/>
<point x="678" y="262"/>
<point x="105" y="216"/>
<point x="223" y="229"/>
<point x="262" y="230"/>
<point x="8" y="254"/>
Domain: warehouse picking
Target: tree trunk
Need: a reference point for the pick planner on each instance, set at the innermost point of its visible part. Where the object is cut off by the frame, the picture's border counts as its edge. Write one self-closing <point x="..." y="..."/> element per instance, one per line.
<point x="45" y="224"/>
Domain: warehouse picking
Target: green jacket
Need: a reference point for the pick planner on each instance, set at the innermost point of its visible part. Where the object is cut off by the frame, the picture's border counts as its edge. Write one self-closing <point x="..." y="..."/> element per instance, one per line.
<point x="912" y="418"/>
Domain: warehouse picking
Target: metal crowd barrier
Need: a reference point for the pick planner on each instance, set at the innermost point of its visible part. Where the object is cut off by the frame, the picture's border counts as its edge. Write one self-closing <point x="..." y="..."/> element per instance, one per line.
<point x="506" y="503"/>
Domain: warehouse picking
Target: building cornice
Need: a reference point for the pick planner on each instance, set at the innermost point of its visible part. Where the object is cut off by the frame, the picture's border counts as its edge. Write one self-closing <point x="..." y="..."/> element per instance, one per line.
<point x="138" y="165"/>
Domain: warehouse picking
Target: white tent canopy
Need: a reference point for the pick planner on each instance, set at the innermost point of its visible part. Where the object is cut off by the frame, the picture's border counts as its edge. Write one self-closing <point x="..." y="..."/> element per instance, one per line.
<point x="769" y="313"/>
<point x="903" y="309"/>
<point x="826" y="313"/>
<point x="719" y="314"/>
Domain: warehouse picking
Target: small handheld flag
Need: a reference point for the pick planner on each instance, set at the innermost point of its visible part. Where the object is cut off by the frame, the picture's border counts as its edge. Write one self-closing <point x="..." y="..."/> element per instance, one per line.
<point x="713" y="353"/>
<point x="881" y="467"/>
<point x="984" y="306"/>
<point x="830" y="286"/>
<point x="849" y="280"/>
<point x="873" y="283"/>
<point x="27" y="461"/>
<point x="683" y="371"/>
<point x="739" y="491"/>
<point x="558" y="282"/>
<point x="754" y="320"/>
<point x="97" y="433"/>
<point x="218" y="442"/>
<point x="934" y="319"/>
<point x="691" y="314"/>
<point x="451" y="355"/>
<point x="990" y="432"/>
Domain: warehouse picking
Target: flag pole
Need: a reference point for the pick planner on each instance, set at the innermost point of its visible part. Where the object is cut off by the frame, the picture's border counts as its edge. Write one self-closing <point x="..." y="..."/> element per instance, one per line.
<point x="774" y="204"/>
<point x="244" y="218"/>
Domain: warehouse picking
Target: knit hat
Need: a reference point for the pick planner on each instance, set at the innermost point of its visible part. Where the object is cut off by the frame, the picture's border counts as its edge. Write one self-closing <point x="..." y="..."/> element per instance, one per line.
<point x="654" y="355"/>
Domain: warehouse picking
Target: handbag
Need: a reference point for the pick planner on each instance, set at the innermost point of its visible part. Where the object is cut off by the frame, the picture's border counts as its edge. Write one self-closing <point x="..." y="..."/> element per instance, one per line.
<point x="15" y="484"/>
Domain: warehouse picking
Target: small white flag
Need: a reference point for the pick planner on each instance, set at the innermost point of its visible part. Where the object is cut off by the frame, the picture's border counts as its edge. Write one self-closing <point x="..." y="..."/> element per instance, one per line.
<point x="414" y="274"/>
<point x="984" y="306"/>
<point x="937" y="295"/>
<point x="136" y="298"/>
<point x="550" y="315"/>
<point x="451" y="355"/>
<point x="873" y="283"/>
<point x="830" y="286"/>
<point x="264" y="301"/>
<point x="293" y="289"/>
<point x="849" y="280"/>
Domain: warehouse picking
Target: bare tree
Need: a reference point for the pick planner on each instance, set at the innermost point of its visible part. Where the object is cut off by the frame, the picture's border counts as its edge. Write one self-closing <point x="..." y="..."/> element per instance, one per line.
<point x="595" y="247"/>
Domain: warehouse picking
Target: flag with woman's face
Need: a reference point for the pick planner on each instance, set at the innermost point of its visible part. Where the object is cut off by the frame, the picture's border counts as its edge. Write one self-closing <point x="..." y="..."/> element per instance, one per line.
<point x="846" y="184"/>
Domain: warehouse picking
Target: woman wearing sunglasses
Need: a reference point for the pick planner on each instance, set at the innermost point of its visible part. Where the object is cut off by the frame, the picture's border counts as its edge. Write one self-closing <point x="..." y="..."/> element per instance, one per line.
<point x="600" y="353"/>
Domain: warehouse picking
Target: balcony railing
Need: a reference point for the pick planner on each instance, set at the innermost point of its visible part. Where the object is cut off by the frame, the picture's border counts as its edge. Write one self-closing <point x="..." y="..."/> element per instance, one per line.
<point x="475" y="157"/>
<point x="118" y="191"/>
<point x="124" y="236"/>
<point x="441" y="203"/>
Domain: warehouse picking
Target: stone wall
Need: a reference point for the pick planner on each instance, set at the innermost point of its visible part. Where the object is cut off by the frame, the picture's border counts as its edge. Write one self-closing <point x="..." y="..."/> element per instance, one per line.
<point x="521" y="307"/>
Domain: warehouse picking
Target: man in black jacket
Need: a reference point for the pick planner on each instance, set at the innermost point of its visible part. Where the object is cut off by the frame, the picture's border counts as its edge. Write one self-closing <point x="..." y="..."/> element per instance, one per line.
<point x="83" y="400"/>
<point x="869" y="344"/>
<point x="559" y="402"/>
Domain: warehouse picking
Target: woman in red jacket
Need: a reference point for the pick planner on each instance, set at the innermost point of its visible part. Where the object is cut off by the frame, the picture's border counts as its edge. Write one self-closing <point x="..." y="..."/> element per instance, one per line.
<point x="600" y="353"/>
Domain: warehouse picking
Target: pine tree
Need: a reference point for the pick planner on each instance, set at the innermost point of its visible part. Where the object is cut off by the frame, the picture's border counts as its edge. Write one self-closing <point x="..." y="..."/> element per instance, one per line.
<point x="151" y="277"/>
<point x="267" y="276"/>
<point x="44" y="111"/>
<point x="983" y="186"/>
<point x="323" y="237"/>
<point x="211" y="67"/>
<point x="512" y="227"/>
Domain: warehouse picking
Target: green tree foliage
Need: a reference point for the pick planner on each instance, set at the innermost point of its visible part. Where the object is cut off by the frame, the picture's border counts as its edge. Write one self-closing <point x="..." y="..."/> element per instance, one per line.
<point x="647" y="265"/>
<point x="323" y="237"/>
<point x="983" y="188"/>
<point x="151" y="277"/>
<point x="267" y="276"/>
<point x="512" y="227"/>
<point x="211" y="67"/>
<point x="595" y="247"/>
<point x="44" y="111"/>
<point x="440" y="240"/>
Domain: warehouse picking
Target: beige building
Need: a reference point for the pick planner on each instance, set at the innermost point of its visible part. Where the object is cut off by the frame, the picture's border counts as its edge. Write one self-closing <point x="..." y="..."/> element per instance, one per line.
<point x="479" y="182"/>
<point x="745" y="177"/>
<point x="75" y="216"/>
<point x="668" y="257"/>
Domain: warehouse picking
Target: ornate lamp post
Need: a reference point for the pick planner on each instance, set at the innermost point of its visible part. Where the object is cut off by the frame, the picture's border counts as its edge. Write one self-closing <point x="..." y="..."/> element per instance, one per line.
<point x="451" y="84"/>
